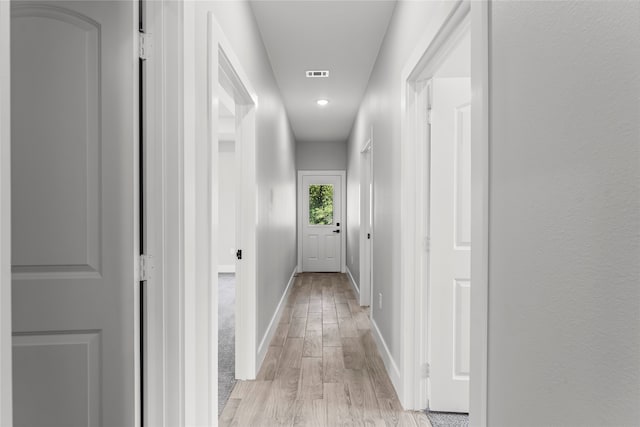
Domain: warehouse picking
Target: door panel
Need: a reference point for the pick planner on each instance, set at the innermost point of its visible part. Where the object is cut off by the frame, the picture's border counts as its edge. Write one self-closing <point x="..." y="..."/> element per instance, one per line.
<point x="57" y="207"/>
<point x="450" y="255"/>
<point x="321" y="216"/>
<point x="73" y="192"/>
<point x="72" y="359"/>
<point x="312" y="247"/>
<point x="331" y="243"/>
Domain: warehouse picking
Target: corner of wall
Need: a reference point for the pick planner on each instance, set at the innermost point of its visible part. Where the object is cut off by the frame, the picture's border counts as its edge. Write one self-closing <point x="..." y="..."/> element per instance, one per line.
<point x="389" y="362"/>
<point x="354" y="284"/>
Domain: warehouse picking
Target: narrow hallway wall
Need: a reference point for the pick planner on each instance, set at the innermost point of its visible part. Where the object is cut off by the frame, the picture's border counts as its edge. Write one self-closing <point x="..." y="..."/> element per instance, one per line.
<point x="379" y="118"/>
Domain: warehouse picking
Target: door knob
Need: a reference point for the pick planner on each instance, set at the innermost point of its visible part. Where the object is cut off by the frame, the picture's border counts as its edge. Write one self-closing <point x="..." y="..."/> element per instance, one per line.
<point x="336" y="231"/>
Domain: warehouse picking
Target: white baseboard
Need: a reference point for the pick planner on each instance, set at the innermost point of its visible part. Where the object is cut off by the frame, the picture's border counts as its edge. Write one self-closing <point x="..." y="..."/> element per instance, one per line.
<point x="354" y="285"/>
<point x="273" y="325"/>
<point x="231" y="268"/>
<point x="387" y="358"/>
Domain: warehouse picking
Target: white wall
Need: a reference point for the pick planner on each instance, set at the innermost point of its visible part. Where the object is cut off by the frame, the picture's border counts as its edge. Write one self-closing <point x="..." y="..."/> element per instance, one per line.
<point x="564" y="329"/>
<point x="275" y="155"/>
<point x="321" y="156"/>
<point x="227" y="207"/>
<point x="564" y="335"/>
<point x="380" y="110"/>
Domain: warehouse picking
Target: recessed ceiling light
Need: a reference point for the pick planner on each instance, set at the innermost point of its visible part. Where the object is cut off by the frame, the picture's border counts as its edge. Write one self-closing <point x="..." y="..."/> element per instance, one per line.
<point x="322" y="102"/>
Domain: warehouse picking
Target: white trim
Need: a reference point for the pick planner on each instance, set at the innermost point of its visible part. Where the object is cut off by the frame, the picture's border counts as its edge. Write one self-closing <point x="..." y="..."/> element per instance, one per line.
<point x="414" y="206"/>
<point x="366" y="245"/>
<point x="387" y="358"/>
<point x="480" y="88"/>
<point x="354" y="285"/>
<point x="154" y="385"/>
<point x="273" y="324"/>
<point x="343" y="210"/>
<point x="135" y="215"/>
<point x="227" y="268"/>
<point x="166" y="406"/>
<point x="6" y="393"/>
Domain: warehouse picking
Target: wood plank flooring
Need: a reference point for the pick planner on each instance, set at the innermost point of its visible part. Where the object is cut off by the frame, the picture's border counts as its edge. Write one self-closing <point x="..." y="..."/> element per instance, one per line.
<point x="322" y="368"/>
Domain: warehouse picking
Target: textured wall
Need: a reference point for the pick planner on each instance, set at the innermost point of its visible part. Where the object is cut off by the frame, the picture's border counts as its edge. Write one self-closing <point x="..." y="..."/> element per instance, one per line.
<point x="564" y="327"/>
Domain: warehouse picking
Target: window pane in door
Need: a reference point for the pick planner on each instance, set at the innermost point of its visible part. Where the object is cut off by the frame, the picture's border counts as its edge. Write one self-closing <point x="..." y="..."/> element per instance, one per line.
<point x="320" y="204"/>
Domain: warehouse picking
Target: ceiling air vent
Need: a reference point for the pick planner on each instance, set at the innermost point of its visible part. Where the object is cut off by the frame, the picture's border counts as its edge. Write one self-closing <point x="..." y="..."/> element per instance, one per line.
<point x="317" y="73"/>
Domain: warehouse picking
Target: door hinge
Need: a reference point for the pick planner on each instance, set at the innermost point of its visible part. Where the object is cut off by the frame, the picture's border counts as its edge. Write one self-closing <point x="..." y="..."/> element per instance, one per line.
<point x="239" y="254"/>
<point x="145" y="45"/>
<point x="425" y="370"/>
<point x="429" y="115"/>
<point x="145" y="267"/>
<point x="368" y="235"/>
<point x="426" y="244"/>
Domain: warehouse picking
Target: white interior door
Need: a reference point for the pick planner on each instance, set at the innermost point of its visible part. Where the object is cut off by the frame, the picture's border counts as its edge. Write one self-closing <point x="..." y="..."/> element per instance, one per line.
<point x="450" y="256"/>
<point x="73" y="208"/>
<point x="321" y="222"/>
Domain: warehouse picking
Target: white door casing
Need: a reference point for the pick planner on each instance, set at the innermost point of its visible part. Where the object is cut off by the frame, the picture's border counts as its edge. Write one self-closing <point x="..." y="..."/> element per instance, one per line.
<point x="450" y="249"/>
<point x="321" y="246"/>
<point x="366" y="224"/>
<point x="75" y="230"/>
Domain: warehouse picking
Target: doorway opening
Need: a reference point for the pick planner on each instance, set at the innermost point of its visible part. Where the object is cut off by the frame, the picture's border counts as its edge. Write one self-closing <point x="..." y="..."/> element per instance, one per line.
<point x="232" y="104"/>
<point x="443" y="88"/>
<point x="448" y="226"/>
<point x="227" y="211"/>
<point x="444" y="206"/>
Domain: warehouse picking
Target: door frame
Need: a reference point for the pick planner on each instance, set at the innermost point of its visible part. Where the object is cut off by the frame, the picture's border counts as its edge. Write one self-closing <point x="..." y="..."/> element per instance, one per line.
<point x="246" y="192"/>
<point x="414" y="207"/>
<point x="6" y="401"/>
<point x="201" y="98"/>
<point x="182" y="358"/>
<point x="343" y="210"/>
<point x="366" y="245"/>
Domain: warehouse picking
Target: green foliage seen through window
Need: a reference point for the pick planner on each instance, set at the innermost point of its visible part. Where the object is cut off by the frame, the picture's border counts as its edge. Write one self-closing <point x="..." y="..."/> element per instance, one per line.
<point x="320" y="204"/>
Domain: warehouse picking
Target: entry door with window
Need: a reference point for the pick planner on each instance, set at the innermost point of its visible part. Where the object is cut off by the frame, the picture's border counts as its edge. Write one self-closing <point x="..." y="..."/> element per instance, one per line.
<point x="321" y="223"/>
<point x="450" y="255"/>
<point x="73" y="161"/>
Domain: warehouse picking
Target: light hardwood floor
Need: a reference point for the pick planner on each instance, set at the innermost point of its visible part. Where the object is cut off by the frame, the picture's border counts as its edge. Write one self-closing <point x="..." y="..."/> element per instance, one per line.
<point x="322" y="368"/>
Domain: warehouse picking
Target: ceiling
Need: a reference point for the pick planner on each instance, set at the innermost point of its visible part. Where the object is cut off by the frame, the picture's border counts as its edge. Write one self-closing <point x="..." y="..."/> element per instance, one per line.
<point x="343" y="37"/>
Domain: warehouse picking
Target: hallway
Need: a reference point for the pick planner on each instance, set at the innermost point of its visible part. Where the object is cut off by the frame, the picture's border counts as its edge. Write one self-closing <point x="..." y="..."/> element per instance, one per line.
<point x="322" y="368"/>
<point x="509" y="127"/>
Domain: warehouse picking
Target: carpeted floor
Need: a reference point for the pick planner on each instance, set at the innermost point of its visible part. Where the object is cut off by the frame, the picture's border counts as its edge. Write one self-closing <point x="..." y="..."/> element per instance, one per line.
<point x="226" y="337"/>
<point x="448" y="419"/>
